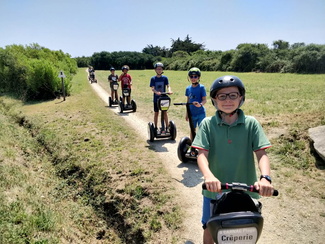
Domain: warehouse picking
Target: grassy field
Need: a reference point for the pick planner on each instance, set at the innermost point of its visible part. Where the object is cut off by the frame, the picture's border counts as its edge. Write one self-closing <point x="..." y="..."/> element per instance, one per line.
<point x="66" y="177"/>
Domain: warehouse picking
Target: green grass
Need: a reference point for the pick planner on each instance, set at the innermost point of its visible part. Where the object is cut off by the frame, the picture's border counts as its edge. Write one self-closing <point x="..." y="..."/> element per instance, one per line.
<point x="289" y="101"/>
<point x="105" y="190"/>
<point x="65" y="176"/>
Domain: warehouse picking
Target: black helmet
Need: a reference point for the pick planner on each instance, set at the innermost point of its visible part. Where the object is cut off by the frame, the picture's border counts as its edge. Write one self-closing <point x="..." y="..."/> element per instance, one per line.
<point x="159" y="64"/>
<point x="125" y="67"/>
<point x="194" y="71"/>
<point x="227" y="81"/>
<point x="112" y="68"/>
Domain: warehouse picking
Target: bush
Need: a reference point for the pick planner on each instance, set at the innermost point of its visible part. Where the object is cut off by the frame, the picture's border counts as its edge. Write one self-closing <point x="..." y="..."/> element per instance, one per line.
<point x="31" y="72"/>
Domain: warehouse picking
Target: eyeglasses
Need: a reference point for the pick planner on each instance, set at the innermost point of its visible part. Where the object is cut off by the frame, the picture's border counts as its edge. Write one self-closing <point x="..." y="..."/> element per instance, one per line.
<point x="194" y="76"/>
<point x="231" y="95"/>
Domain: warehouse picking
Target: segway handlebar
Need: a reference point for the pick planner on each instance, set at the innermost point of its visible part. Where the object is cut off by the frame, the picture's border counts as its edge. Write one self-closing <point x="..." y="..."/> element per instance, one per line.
<point x="183" y="103"/>
<point x="239" y="186"/>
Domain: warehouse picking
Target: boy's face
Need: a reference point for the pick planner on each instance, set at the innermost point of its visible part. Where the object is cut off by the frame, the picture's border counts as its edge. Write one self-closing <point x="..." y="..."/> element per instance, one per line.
<point x="125" y="71"/>
<point x="194" y="78"/>
<point x="228" y="99"/>
<point x="159" y="70"/>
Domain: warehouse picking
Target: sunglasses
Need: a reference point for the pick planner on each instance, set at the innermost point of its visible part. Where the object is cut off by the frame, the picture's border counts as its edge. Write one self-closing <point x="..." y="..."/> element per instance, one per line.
<point x="194" y="76"/>
<point x="231" y="95"/>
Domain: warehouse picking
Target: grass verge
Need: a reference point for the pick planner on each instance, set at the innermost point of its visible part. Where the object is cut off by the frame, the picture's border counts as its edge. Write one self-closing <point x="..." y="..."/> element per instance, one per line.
<point x="98" y="181"/>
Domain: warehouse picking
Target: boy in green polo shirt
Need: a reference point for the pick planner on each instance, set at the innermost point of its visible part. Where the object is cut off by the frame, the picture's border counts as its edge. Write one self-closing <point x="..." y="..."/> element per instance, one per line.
<point x="227" y="142"/>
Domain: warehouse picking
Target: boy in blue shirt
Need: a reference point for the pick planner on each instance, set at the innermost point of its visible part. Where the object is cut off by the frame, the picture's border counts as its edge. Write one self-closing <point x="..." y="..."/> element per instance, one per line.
<point x="227" y="142"/>
<point x="196" y="95"/>
<point x="158" y="84"/>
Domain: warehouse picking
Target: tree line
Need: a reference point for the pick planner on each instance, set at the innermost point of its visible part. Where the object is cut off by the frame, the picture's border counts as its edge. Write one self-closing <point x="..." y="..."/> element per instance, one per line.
<point x="31" y="72"/>
<point x="184" y="54"/>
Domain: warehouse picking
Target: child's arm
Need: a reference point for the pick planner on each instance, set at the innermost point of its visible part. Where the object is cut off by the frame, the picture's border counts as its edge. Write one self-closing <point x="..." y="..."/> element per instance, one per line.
<point x="212" y="183"/>
<point x="154" y="91"/>
<point x="204" y="101"/>
<point x="169" y="89"/>
<point x="264" y="186"/>
<point x="198" y="105"/>
<point x="186" y="114"/>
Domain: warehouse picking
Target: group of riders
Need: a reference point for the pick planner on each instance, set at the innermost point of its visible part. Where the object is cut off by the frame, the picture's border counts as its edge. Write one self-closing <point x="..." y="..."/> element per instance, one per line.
<point x="125" y="79"/>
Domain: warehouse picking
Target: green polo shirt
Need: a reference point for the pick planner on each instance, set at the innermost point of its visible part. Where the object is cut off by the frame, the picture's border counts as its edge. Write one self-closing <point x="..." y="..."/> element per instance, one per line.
<point x="231" y="148"/>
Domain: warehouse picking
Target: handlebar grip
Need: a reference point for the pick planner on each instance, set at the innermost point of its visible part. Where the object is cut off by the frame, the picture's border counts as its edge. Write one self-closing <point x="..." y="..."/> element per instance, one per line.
<point x="225" y="186"/>
<point x="181" y="103"/>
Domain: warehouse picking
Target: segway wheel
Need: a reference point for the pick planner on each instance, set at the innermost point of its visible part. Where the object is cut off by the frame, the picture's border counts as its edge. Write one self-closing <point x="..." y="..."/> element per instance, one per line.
<point x="134" y="105"/>
<point x="110" y="101"/>
<point x="121" y="107"/>
<point x="151" y="132"/>
<point x="173" y="131"/>
<point x="183" y="146"/>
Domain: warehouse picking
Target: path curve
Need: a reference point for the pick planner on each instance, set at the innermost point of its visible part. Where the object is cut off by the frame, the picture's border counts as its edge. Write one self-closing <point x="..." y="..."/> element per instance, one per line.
<point x="187" y="177"/>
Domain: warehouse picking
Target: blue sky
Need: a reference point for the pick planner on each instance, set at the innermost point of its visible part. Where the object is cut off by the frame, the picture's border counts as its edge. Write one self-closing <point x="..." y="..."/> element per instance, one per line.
<point x="80" y="27"/>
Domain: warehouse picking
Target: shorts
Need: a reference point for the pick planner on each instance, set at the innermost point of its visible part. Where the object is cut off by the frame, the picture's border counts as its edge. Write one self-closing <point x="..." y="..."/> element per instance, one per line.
<point x="155" y="107"/>
<point x="196" y="120"/>
<point x="129" y="93"/>
<point x="207" y="210"/>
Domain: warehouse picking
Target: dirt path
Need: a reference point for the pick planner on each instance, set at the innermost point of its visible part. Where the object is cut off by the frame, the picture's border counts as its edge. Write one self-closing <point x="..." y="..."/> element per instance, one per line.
<point x="187" y="180"/>
<point x="187" y="177"/>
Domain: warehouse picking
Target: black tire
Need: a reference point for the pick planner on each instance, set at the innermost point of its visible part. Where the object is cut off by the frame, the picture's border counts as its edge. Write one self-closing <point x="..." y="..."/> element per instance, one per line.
<point x="134" y="105"/>
<point x="121" y="107"/>
<point x="151" y="132"/>
<point x="183" y="146"/>
<point x="173" y="131"/>
<point x="110" y="101"/>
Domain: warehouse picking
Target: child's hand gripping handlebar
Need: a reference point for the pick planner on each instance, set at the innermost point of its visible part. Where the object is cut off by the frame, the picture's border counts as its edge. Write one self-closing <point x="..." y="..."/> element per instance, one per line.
<point x="240" y="187"/>
<point x="166" y="93"/>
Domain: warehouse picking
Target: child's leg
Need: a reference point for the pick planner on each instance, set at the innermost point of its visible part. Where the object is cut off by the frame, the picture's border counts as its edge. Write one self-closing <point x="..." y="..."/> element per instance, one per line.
<point x="156" y="114"/>
<point x="207" y="212"/>
<point x="166" y="119"/>
<point x="155" y="119"/>
<point x="207" y="238"/>
<point x="116" y="95"/>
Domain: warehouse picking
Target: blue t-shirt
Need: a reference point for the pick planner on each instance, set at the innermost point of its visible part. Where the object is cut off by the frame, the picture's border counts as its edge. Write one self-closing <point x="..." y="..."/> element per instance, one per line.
<point x="160" y="84"/>
<point x="195" y="94"/>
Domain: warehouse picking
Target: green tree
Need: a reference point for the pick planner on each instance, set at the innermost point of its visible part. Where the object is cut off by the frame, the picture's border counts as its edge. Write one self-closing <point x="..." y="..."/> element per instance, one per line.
<point x="187" y="45"/>
<point x="247" y="56"/>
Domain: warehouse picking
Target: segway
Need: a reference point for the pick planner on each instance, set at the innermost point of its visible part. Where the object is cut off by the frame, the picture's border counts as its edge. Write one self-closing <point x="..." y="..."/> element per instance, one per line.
<point x="163" y="132"/>
<point x="110" y="100"/>
<point x="92" y="77"/>
<point x="125" y="106"/>
<point x="236" y="218"/>
<point x="185" y="152"/>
